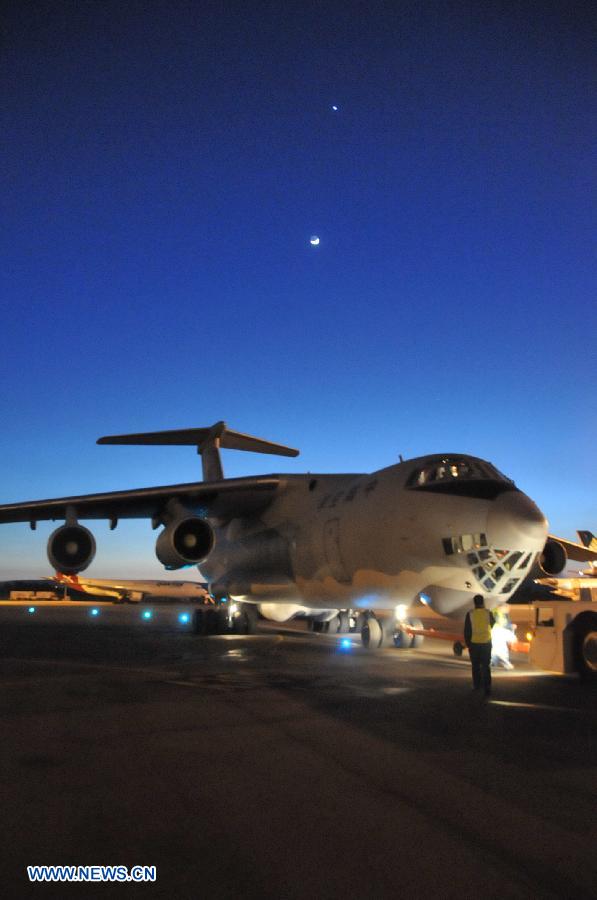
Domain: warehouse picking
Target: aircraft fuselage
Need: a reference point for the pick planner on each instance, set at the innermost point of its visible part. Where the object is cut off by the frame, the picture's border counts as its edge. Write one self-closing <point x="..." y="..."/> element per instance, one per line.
<point x="373" y="541"/>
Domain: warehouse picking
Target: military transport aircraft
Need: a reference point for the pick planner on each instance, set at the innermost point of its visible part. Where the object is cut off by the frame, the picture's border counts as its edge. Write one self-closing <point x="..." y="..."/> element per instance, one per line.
<point x="439" y="528"/>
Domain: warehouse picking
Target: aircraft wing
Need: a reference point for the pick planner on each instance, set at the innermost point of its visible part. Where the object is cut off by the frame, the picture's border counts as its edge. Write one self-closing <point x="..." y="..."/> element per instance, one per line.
<point x="225" y="499"/>
<point x="575" y="551"/>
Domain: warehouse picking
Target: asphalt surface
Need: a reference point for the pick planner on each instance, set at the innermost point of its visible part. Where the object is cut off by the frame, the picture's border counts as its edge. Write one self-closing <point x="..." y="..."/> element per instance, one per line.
<point x="281" y="765"/>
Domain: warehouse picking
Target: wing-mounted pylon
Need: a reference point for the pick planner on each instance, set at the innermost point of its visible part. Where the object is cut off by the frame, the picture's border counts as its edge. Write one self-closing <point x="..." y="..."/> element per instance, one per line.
<point x="208" y="442"/>
<point x="183" y="509"/>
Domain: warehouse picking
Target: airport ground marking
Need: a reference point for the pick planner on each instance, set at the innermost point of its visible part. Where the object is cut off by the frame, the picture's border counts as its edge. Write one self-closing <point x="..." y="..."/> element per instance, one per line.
<point x="514" y="704"/>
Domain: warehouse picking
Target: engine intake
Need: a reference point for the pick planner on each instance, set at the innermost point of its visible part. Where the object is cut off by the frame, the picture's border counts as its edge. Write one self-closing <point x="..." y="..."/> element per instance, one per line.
<point x="71" y="549"/>
<point x="553" y="558"/>
<point x="186" y="542"/>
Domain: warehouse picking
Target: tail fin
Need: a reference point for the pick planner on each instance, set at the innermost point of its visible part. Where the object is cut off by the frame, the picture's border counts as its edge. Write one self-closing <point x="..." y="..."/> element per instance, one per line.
<point x="588" y="539"/>
<point x="66" y="580"/>
<point x="208" y="442"/>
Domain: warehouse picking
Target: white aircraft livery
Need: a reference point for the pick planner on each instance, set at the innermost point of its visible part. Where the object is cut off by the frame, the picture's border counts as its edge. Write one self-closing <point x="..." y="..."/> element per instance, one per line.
<point x="131" y="591"/>
<point x="438" y="529"/>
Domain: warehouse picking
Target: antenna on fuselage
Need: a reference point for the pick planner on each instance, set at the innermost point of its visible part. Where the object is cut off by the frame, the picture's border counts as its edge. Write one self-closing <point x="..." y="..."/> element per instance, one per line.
<point x="208" y="442"/>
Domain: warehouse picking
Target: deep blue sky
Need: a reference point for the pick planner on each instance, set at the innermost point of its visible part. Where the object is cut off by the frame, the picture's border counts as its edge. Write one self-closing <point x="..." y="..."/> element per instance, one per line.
<point x="163" y="167"/>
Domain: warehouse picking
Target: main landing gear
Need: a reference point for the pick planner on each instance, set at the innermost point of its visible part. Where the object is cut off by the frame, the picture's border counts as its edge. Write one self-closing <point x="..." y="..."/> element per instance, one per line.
<point x="225" y="618"/>
<point x="585" y="645"/>
<point x="342" y="623"/>
<point x="389" y="631"/>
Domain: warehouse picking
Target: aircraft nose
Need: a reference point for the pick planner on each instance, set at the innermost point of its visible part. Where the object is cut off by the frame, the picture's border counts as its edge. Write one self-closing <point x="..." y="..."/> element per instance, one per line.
<point x="516" y="523"/>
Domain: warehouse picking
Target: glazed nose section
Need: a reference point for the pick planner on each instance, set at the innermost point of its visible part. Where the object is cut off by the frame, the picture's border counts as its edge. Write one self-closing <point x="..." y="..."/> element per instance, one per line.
<point x="516" y="523"/>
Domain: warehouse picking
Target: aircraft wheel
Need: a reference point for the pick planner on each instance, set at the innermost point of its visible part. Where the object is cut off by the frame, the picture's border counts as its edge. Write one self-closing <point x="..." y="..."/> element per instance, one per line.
<point x="252" y="618"/>
<point x="359" y="621"/>
<point x="371" y="633"/>
<point x="457" y="648"/>
<point x="585" y="646"/>
<point x="416" y="639"/>
<point x="246" y="621"/>
<point x="216" y="621"/>
<point x="403" y="640"/>
<point x="344" y="622"/>
<point x="199" y="622"/>
<point x="377" y="633"/>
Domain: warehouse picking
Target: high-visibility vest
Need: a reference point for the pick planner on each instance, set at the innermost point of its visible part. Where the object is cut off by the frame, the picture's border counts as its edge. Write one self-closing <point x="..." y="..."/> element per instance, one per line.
<point x="481" y="626"/>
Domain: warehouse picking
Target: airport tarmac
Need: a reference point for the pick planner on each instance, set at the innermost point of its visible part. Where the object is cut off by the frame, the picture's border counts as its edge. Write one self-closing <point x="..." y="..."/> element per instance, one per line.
<point x="284" y="765"/>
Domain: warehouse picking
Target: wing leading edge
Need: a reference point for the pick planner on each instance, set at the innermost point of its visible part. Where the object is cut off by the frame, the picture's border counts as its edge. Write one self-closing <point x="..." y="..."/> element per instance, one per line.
<point x="223" y="499"/>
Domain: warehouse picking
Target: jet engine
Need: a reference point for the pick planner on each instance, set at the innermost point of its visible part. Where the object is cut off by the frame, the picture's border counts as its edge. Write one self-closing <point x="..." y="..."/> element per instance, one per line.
<point x="553" y="558"/>
<point x="186" y="542"/>
<point x="71" y="549"/>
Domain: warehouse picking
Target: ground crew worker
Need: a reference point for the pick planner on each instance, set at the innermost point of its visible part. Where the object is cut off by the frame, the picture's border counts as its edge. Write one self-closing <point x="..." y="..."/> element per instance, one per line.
<point x="477" y="637"/>
<point x="501" y="638"/>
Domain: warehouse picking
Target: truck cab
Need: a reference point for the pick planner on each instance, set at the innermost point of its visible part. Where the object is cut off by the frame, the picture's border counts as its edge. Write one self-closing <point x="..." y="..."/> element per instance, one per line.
<point x="565" y="637"/>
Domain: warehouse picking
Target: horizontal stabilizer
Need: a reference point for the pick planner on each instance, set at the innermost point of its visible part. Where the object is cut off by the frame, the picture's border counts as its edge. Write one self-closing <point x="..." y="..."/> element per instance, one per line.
<point x="198" y="437"/>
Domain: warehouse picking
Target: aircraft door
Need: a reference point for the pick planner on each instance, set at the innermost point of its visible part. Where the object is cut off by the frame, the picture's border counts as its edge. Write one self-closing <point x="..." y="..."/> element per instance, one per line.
<point x="331" y="545"/>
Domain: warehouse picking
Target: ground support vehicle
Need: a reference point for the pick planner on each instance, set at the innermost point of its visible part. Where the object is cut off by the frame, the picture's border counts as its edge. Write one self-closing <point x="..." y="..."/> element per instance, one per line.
<point x="565" y="637"/>
<point x="30" y="596"/>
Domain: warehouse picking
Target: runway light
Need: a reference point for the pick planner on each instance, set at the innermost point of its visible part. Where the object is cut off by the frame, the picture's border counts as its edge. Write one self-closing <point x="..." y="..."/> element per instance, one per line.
<point x="31" y="609"/>
<point x="147" y="614"/>
<point x="94" y="611"/>
<point x="183" y="618"/>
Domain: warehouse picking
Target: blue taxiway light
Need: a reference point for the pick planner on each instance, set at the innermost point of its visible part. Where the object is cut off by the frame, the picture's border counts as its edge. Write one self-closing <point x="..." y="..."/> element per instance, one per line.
<point x="31" y="609"/>
<point x="94" y="611"/>
<point x="147" y="614"/>
<point x="184" y="618"/>
<point x="345" y="644"/>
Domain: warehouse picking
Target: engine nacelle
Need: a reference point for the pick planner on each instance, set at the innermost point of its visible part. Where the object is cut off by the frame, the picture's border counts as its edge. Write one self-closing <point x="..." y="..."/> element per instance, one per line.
<point x="186" y="542"/>
<point x="71" y="549"/>
<point x="553" y="558"/>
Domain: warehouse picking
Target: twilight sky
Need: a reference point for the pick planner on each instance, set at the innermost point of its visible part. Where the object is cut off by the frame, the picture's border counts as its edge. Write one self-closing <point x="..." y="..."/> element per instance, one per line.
<point x="164" y="166"/>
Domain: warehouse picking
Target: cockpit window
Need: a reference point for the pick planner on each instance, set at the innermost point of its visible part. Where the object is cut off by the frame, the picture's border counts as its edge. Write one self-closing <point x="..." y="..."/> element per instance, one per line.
<point x="460" y="475"/>
<point x="451" y="468"/>
<point x="490" y="565"/>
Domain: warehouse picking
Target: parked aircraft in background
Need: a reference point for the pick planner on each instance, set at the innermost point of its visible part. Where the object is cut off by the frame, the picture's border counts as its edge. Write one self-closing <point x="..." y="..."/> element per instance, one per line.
<point x="125" y="591"/>
<point x="582" y="586"/>
<point x="588" y="539"/>
<point x="439" y="528"/>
